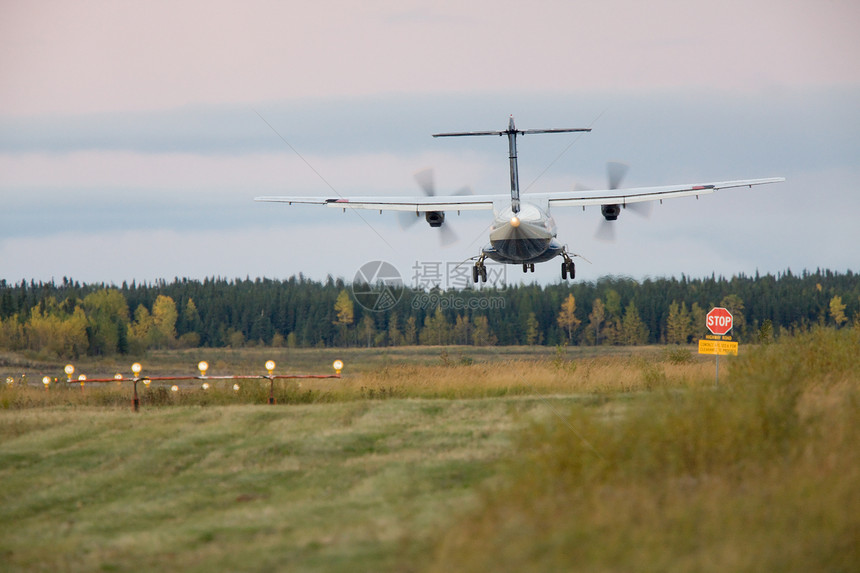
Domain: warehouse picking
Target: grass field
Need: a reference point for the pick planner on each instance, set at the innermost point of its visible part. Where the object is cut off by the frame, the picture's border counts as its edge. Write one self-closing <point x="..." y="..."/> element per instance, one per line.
<point x="223" y="361"/>
<point x="340" y="487"/>
<point x="443" y="459"/>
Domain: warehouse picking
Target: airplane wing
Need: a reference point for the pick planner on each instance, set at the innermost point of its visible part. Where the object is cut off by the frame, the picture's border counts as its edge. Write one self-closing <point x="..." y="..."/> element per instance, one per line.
<point x="642" y="194"/>
<point x="417" y="204"/>
<point x="410" y="204"/>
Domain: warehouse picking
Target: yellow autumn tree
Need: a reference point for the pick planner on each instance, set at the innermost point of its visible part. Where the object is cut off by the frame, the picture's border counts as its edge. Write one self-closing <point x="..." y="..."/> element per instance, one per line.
<point x="164" y="317"/>
<point x="139" y="329"/>
<point x="567" y="317"/>
<point x="345" y="313"/>
<point x="837" y="311"/>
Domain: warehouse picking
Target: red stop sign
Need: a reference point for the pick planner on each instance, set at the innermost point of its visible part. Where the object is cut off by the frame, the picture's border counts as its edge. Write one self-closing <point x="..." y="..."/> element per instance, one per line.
<point x="719" y="320"/>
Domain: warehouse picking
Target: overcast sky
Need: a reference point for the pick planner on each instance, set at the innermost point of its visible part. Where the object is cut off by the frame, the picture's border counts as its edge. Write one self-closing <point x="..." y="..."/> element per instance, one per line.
<point x="134" y="135"/>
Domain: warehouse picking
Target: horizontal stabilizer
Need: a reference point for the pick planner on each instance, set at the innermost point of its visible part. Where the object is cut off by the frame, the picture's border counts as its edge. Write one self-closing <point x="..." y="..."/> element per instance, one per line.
<point x="510" y="131"/>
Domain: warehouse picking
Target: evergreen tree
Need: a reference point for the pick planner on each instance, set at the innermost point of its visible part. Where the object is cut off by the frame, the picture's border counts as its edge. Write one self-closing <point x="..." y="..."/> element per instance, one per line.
<point x="395" y="337"/>
<point x="436" y="329"/>
<point x="697" y="319"/>
<point x="532" y="330"/>
<point x="235" y="339"/>
<point x="410" y="332"/>
<point x="678" y="324"/>
<point x="367" y="329"/>
<point x="216" y="312"/>
<point x="107" y="314"/>
<point x="613" y="330"/>
<point x="481" y="334"/>
<point x="613" y="303"/>
<point x="765" y="332"/>
<point x="735" y="305"/>
<point x="595" y="322"/>
<point x="462" y="330"/>
<point x="190" y="317"/>
<point x="633" y="329"/>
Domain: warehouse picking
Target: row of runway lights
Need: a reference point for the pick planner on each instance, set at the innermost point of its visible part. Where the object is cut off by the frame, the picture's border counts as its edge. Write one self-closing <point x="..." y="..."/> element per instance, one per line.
<point x="137" y="368"/>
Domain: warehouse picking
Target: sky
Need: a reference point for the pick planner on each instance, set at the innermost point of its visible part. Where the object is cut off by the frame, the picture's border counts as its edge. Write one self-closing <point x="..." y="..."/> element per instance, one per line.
<point x="135" y="135"/>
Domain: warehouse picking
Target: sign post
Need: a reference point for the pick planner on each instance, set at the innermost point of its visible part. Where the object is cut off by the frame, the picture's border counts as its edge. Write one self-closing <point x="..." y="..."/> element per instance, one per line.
<point x="719" y="322"/>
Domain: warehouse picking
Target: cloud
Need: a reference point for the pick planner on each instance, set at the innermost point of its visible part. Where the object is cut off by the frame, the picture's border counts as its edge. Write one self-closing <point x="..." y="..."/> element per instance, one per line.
<point x="661" y="130"/>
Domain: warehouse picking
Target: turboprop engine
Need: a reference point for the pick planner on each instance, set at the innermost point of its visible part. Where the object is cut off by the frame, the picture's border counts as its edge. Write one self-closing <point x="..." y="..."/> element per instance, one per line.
<point x="435" y="218"/>
<point x="610" y="212"/>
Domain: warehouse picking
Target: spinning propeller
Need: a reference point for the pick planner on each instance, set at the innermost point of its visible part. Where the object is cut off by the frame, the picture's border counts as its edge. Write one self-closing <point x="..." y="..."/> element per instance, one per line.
<point x="615" y="172"/>
<point x="426" y="181"/>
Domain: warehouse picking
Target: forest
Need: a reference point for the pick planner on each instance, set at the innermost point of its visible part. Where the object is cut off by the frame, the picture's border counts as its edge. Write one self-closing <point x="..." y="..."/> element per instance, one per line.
<point x="69" y="319"/>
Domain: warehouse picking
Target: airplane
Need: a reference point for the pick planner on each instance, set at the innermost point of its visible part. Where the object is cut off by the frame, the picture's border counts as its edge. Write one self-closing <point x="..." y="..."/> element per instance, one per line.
<point x="523" y="231"/>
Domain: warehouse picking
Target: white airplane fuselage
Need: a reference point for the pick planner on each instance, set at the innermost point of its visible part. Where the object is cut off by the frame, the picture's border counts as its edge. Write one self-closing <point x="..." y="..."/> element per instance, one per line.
<point x="523" y="232"/>
<point x="523" y="237"/>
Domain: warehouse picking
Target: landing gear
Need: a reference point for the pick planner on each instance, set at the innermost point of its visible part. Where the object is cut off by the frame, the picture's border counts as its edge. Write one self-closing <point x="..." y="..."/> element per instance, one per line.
<point x="479" y="270"/>
<point x="528" y="267"/>
<point x="568" y="269"/>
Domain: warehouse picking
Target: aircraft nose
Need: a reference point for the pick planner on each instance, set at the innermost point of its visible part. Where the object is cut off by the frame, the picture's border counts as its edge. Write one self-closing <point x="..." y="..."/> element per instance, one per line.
<point x="515" y="221"/>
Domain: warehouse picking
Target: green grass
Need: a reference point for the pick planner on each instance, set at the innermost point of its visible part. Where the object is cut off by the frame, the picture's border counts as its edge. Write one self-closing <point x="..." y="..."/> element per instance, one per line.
<point x="514" y="460"/>
<point x="361" y="485"/>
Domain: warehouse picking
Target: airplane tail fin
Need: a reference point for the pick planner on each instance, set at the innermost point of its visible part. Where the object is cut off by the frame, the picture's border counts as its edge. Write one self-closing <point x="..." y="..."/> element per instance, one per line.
<point x="512" y="132"/>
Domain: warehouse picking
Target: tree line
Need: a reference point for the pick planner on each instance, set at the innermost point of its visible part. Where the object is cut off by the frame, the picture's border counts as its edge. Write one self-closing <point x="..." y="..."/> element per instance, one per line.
<point x="71" y="319"/>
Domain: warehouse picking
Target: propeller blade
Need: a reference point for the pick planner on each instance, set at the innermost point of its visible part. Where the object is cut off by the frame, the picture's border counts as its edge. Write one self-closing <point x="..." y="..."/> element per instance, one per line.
<point x="616" y="171"/>
<point x="425" y="181"/>
<point x="447" y="236"/>
<point x="642" y="209"/>
<point x="606" y="231"/>
<point x="407" y="219"/>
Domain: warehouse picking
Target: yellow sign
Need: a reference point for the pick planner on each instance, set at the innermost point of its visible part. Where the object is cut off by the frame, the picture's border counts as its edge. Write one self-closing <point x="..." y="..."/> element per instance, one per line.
<point x="718" y="337"/>
<point x="718" y="347"/>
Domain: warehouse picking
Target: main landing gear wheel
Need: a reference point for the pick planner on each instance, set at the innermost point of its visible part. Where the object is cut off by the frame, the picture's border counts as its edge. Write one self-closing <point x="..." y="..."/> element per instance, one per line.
<point x="528" y="267"/>
<point x="479" y="271"/>
<point x="568" y="270"/>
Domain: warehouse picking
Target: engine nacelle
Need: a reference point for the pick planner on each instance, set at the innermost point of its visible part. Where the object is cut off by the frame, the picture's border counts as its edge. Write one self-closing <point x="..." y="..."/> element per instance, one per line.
<point x="435" y="218"/>
<point x="610" y="212"/>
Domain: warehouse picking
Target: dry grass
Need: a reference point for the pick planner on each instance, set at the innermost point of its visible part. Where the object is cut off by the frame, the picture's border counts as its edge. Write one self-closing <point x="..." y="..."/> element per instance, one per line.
<point x="432" y="374"/>
<point x="448" y="459"/>
<point x="760" y="474"/>
<point x="520" y="377"/>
